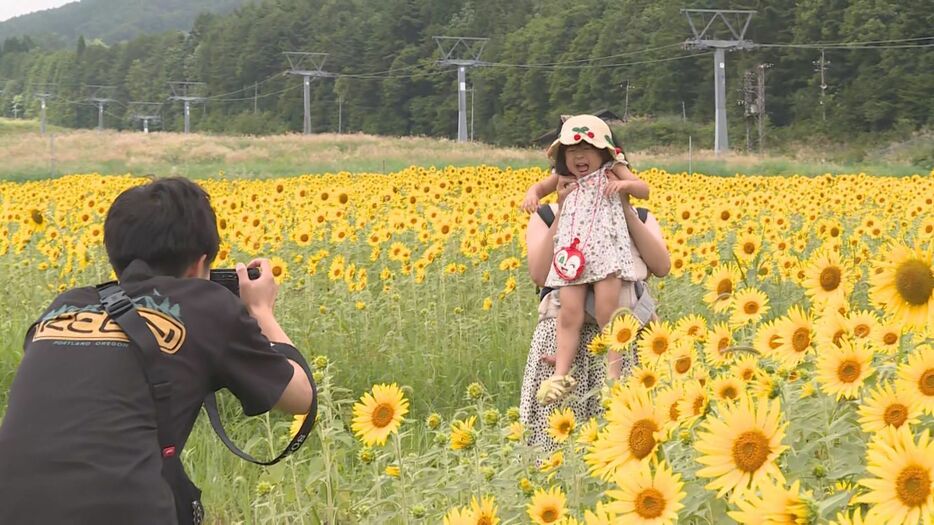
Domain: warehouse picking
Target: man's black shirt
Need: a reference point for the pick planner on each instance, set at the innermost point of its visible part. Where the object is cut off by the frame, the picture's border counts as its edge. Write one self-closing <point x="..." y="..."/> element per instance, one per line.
<point x="78" y="443"/>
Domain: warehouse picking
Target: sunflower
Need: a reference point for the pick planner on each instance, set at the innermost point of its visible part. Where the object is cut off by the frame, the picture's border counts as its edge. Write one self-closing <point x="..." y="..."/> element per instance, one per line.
<point x="740" y="447"/>
<point x="747" y="246"/>
<point x="561" y="424"/>
<point x="856" y="518"/>
<point x="692" y="326"/>
<point x="655" y="341"/>
<point x="682" y="359"/>
<point x="901" y="490"/>
<point x="827" y="280"/>
<point x="768" y="338"/>
<point x="796" y="336"/>
<point x="667" y="400"/>
<point x="553" y="462"/>
<point x="459" y="516"/>
<point x="917" y="375"/>
<point x="749" y="305"/>
<point x="693" y="403"/>
<point x="776" y="506"/>
<point x="720" y="287"/>
<point x="600" y="516"/>
<point x="886" y="406"/>
<point x="462" y="433"/>
<point x="887" y="338"/>
<point x="633" y="432"/>
<point x="746" y="368"/>
<point x="589" y="432"/>
<point x="841" y="371"/>
<point x="904" y="285"/>
<point x="484" y="510"/>
<point x="832" y="329"/>
<point x="863" y="324"/>
<point x="279" y="269"/>
<point x="547" y="506"/>
<point x="379" y="413"/>
<point x="727" y="388"/>
<point x="719" y="340"/>
<point x="622" y="332"/>
<point x="645" y="376"/>
<point x="646" y="499"/>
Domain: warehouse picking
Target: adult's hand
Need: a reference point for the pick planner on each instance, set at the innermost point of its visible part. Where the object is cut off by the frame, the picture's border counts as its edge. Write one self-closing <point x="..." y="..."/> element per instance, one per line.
<point x="258" y="295"/>
<point x="565" y="186"/>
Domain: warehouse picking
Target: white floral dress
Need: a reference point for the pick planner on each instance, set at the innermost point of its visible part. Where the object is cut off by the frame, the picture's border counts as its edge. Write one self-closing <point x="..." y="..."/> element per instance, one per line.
<point x="599" y="223"/>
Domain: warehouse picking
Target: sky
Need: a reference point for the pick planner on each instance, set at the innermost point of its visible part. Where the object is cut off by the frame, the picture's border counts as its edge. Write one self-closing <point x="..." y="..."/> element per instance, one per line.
<point x="11" y="8"/>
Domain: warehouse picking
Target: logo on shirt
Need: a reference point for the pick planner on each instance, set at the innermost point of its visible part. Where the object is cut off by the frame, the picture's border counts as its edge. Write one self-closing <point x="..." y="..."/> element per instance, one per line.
<point x="91" y="323"/>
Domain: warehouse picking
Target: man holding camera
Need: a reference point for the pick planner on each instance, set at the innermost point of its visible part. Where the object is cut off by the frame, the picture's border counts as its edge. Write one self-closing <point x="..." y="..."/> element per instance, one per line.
<point x="79" y="442"/>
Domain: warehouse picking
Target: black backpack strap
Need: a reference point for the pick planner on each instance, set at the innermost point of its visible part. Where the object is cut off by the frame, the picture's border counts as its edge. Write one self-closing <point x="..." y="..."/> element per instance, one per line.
<point x="643" y="214"/>
<point x="547" y="214"/>
<point x="120" y="308"/>
<point x="210" y="406"/>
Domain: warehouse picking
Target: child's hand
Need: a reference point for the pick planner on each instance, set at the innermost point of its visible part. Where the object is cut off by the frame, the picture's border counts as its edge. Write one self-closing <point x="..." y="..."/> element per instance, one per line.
<point x="616" y="186"/>
<point x="530" y="203"/>
<point x="565" y="186"/>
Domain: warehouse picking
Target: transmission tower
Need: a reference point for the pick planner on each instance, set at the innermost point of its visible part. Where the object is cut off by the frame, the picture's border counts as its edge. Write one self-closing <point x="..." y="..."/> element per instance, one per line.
<point x="713" y="36"/>
<point x="309" y="66"/>
<point x="147" y="113"/>
<point x="462" y="52"/>
<point x="100" y="95"/>
<point x="750" y="110"/>
<point x="821" y="65"/>
<point x="760" y="103"/>
<point x="44" y="92"/>
<point x="189" y="93"/>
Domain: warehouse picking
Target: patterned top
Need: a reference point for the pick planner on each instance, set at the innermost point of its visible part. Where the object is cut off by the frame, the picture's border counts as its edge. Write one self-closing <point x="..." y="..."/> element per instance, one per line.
<point x="599" y="223"/>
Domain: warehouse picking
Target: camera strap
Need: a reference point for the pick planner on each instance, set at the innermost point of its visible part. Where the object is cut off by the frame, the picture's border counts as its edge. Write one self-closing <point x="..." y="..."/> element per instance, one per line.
<point x="210" y="406"/>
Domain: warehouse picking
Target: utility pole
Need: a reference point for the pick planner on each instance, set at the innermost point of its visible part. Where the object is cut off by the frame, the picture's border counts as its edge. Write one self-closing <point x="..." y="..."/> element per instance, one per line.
<point x="309" y="66"/>
<point x="189" y="93"/>
<point x="340" y="113"/>
<point x="255" y="97"/>
<point x="822" y="67"/>
<point x="147" y="113"/>
<point x="760" y="103"/>
<point x="463" y="52"/>
<point x="100" y="95"/>
<point x="629" y="86"/>
<point x="44" y="92"/>
<point x="684" y="113"/>
<point x="750" y="109"/>
<point x="710" y="36"/>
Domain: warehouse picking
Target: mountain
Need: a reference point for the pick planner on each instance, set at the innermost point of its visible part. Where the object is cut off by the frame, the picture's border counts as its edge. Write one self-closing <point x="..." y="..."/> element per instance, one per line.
<point x="111" y="20"/>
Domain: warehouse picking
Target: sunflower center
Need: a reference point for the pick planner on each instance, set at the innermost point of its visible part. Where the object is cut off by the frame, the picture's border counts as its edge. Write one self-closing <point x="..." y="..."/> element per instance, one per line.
<point x="36" y="216"/>
<point x="276" y="271"/>
<point x="728" y="392"/>
<point x="659" y="345"/>
<point x="642" y="438"/>
<point x="750" y="450"/>
<point x="890" y="338"/>
<point x="830" y="278"/>
<point x="747" y="374"/>
<point x="914" y="282"/>
<point x="848" y="371"/>
<point x="775" y="341"/>
<point x="484" y="520"/>
<point x="895" y="414"/>
<point x="697" y="405"/>
<point x="673" y="413"/>
<point x="861" y="330"/>
<point x="837" y="336"/>
<point x="801" y="339"/>
<point x="926" y="382"/>
<point x="623" y="335"/>
<point x="683" y="364"/>
<point x="751" y="307"/>
<point x="722" y="344"/>
<point x="549" y="515"/>
<point x="913" y="485"/>
<point x="749" y="248"/>
<point x="648" y="381"/>
<point x="725" y="287"/>
<point x="650" y="503"/>
<point x="564" y="428"/>
<point x="382" y="415"/>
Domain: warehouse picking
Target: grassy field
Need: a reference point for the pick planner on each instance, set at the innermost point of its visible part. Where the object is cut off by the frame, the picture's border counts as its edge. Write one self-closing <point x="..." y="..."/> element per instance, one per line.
<point x="781" y="287"/>
<point x="30" y="156"/>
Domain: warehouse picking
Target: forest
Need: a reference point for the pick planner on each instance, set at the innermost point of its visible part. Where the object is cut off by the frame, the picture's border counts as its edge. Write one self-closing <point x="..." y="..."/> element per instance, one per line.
<point x="543" y="58"/>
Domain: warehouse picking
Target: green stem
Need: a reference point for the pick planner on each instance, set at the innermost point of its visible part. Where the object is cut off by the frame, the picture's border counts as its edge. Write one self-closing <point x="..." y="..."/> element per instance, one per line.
<point x="397" y="441"/>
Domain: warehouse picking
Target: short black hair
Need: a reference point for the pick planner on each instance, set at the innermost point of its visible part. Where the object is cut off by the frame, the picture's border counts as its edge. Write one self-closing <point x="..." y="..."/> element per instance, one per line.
<point x="561" y="166"/>
<point x="168" y="223"/>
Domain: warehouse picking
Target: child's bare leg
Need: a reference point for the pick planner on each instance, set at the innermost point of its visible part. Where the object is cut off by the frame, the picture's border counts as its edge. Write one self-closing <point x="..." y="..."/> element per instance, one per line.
<point x="570" y="322"/>
<point x="606" y="300"/>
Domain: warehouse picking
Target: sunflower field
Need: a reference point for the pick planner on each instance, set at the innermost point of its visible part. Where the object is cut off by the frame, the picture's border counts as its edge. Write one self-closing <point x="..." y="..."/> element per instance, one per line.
<point x="788" y="380"/>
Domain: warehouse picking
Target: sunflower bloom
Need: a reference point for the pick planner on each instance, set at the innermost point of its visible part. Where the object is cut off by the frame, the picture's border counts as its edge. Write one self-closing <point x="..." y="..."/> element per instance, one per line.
<point x="776" y="506"/>
<point x="841" y="371"/>
<point x="379" y="413"/>
<point x="561" y="424"/>
<point x="547" y="506"/>
<point x="889" y="406"/>
<point x="901" y="490"/>
<point x="749" y="305"/>
<point x="646" y="499"/>
<point x="740" y="447"/>
<point x="635" y="427"/>
<point x="828" y="281"/>
<point x="917" y="375"/>
<point x="484" y="510"/>
<point x="462" y="434"/>
<point x="904" y="285"/>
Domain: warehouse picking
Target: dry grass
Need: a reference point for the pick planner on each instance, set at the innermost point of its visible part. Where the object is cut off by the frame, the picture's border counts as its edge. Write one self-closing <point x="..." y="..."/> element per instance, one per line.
<point x="27" y="155"/>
